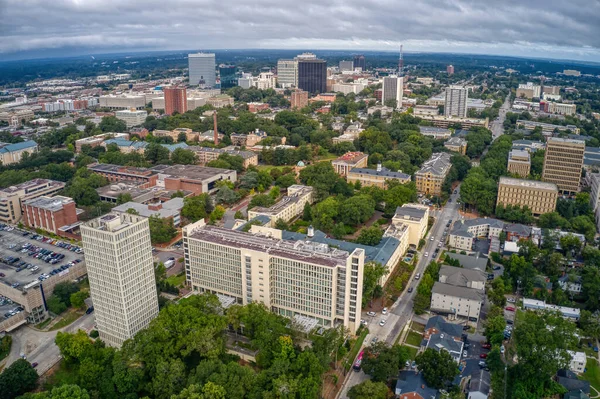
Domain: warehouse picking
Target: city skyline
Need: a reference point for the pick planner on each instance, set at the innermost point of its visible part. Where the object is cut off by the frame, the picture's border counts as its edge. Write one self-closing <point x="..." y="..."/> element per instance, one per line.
<point x="74" y="27"/>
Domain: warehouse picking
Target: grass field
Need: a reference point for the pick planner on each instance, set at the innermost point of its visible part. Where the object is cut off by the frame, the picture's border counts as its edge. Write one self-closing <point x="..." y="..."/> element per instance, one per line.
<point x="592" y="374"/>
<point x="67" y="318"/>
<point x="176" y="280"/>
<point x="412" y="352"/>
<point x="43" y="324"/>
<point x="413" y="338"/>
<point x="417" y="327"/>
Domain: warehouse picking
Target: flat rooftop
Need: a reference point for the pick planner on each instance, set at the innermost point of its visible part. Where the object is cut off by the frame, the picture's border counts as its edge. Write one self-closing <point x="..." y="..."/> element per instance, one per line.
<point x="541" y="185"/>
<point x="191" y="172"/>
<point x="351" y="157"/>
<point x="53" y="204"/>
<point x="118" y="169"/>
<point x="304" y="251"/>
<point x="519" y="155"/>
<point x="31" y="184"/>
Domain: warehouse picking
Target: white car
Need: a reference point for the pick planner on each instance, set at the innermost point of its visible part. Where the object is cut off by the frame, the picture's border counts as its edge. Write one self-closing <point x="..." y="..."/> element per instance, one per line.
<point x="384" y="311"/>
<point x="510" y="299"/>
<point x="502" y="349"/>
<point x="431" y="239"/>
<point x="382" y="322"/>
<point x="465" y="354"/>
<point x="417" y="276"/>
<point x="371" y="314"/>
<point x="363" y="322"/>
<point x="426" y="254"/>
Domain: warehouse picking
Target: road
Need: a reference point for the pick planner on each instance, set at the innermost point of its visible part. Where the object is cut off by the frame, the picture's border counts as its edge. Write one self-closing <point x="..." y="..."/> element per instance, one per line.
<point x="39" y="346"/>
<point x="497" y="125"/>
<point x="401" y="312"/>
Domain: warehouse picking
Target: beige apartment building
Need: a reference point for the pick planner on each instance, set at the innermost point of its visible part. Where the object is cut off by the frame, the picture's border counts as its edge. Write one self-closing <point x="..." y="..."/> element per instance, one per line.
<point x="563" y="163"/>
<point x="376" y="177"/>
<point x="456" y="144"/>
<point x="296" y="279"/>
<point x="120" y="268"/>
<point x="13" y="197"/>
<point x="416" y="217"/>
<point x="446" y="121"/>
<point x="132" y="117"/>
<point x="538" y="196"/>
<point x="349" y="161"/>
<point x="432" y="174"/>
<point x="289" y="207"/>
<point x="519" y="162"/>
<point x="13" y="153"/>
<point x="207" y="154"/>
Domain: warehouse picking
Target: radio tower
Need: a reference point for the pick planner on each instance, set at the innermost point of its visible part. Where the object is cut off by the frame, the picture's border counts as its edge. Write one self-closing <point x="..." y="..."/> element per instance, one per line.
<point x="401" y="63"/>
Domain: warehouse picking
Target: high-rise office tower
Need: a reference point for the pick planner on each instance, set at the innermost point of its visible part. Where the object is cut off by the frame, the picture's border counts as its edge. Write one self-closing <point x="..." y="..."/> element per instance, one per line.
<point x="360" y="62"/>
<point x="291" y="277"/>
<point x="175" y="100"/>
<point x="450" y="69"/>
<point x="287" y="73"/>
<point x="392" y="89"/>
<point x="346" y="66"/>
<point x="120" y="269"/>
<point x="456" y="101"/>
<point x="563" y="162"/>
<point x="202" y="69"/>
<point x="228" y="76"/>
<point x="312" y="74"/>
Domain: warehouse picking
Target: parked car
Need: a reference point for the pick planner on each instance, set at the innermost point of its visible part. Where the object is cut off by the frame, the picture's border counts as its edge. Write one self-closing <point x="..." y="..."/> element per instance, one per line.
<point x="89" y="310"/>
<point x="382" y="322"/>
<point x="510" y="308"/>
<point x="465" y="328"/>
<point x="34" y="364"/>
<point x="465" y="354"/>
<point x="418" y="275"/>
<point x="486" y="346"/>
<point x="511" y="299"/>
<point x="363" y="322"/>
<point x="483" y="355"/>
<point x="371" y="314"/>
<point x="497" y="267"/>
<point x="384" y="311"/>
<point x="410" y="289"/>
<point x="426" y="254"/>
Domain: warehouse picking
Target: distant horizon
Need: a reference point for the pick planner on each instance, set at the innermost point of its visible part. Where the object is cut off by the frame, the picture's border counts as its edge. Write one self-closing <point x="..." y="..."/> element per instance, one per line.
<point x="30" y="55"/>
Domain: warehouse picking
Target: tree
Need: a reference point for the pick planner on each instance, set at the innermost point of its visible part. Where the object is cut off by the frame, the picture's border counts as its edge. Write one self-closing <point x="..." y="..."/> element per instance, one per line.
<point x="569" y="244"/>
<point x="369" y="390"/>
<point x="17" y="379"/>
<point x="356" y="210"/>
<point x="382" y="362"/>
<point x="238" y="215"/>
<point x="307" y="213"/>
<point x="373" y="272"/>
<point x="156" y="154"/>
<point x="439" y="368"/>
<point x="161" y="230"/>
<point x="262" y="200"/>
<point x="217" y="213"/>
<point x="226" y="195"/>
<point x="182" y="137"/>
<point x="78" y="298"/>
<point x="370" y="236"/>
<point x="494" y="329"/>
<point x="198" y="207"/>
<point x="67" y="391"/>
<point x="110" y="124"/>
<point x="285" y="181"/>
<point x="281" y="225"/>
<point x="124" y="198"/>
<point x="64" y="290"/>
<point x="181" y="156"/>
<point x="55" y="305"/>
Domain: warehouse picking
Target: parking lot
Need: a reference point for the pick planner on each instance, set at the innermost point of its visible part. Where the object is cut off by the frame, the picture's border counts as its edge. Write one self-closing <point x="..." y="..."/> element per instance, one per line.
<point x="27" y="258"/>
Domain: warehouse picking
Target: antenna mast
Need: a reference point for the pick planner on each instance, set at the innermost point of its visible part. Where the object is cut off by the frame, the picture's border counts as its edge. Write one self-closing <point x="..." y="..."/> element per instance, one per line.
<point x="401" y="62"/>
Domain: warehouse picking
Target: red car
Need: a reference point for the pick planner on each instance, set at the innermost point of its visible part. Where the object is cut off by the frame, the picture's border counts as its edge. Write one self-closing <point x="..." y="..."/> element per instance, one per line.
<point x="483" y="355"/>
<point x="510" y="308"/>
<point x="486" y="346"/>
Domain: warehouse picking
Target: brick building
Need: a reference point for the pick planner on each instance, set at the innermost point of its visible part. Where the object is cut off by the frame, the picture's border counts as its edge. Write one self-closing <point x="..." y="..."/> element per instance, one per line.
<point x="50" y="213"/>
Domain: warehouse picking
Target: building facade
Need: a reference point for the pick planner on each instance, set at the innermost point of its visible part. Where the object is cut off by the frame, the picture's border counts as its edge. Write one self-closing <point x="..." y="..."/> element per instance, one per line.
<point x="288" y="208"/>
<point x="563" y="162"/>
<point x="456" y="101"/>
<point x="539" y="197"/>
<point x="123" y="101"/>
<point x="49" y="213"/>
<point x="312" y="75"/>
<point x="360" y="62"/>
<point x="228" y="76"/>
<point x="291" y="278"/>
<point x="349" y="161"/>
<point x="392" y="89"/>
<point x="431" y="176"/>
<point x="202" y="70"/>
<point x="175" y="100"/>
<point x="299" y="99"/>
<point x="13" y="153"/>
<point x="346" y="66"/>
<point x="131" y="117"/>
<point x="376" y="177"/>
<point x="519" y="162"/>
<point x="120" y="268"/>
<point x="287" y="73"/>
<point x="416" y="217"/>
<point x="456" y="144"/>
<point x="12" y="198"/>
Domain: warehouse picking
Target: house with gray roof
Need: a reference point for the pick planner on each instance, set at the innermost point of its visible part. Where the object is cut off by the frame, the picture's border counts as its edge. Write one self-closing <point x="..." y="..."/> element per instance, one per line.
<point x="441" y="341"/>
<point x="456" y="301"/>
<point x="576" y="388"/>
<point x="517" y="231"/>
<point x="471" y="262"/>
<point x="464" y="232"/>
<point x="413" y="385"/>
<point x="460" y="277"/>
<point x="437" y="324"/>
<point x="479" y="385"/>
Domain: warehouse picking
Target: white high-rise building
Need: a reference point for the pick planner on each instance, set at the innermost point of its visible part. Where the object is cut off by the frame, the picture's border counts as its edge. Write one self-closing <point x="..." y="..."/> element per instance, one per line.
<point x="392" y="89"/>
<point x="287" y="73"/>
<point x="120" y="269"/>
<point x="456" y="101"/>
<point x="293" y="278"/>
<point x="202" y="69"/>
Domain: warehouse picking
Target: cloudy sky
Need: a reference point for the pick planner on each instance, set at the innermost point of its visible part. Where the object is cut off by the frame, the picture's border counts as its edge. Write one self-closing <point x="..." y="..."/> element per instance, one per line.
<point x="538" y="28"/>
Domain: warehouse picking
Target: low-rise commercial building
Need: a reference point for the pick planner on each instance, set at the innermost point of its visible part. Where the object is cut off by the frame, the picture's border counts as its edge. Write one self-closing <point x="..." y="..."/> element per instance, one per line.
<point x="539" y="197"/>
<point x="436" y="133"/>
<point x="547" y="128"/>
<point x="349" y="161"/>
<point x="519" y="162"/>
<point x="562" y="109"/>
<point x="431" y="176"/>
<point x="426" y="110"/>
<point x="13" y="153"/>
<point x="248" y="140"/>
<point x="15" y="118"/>
<point x="95" y="141"/>
<point x="449" y="121"/>
<point x="567" y="312"/>
<point x="132" y="117"/>
<point x="416" y="217"/>
<point x="456" y="144"/>
<point x="220" y="101"/>
<point x="194" y="178"/>
<point x="461" y="277"/>
<point x="123" y="101"/>
<point x="207" y="154"/>
<point x="13" y="197"/>
<point x="170" y="209"/>
<point x="376" y="177"/>
<point x="291" y="278"/>
<point x="288" y="208"/>
<point x="50" y="213"/>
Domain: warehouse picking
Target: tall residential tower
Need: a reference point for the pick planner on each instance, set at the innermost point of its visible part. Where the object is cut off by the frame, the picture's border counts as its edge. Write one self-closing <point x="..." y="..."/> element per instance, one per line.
<point x="120" y="269"/>
<point x="456" y="101"/>
<point x="392" y="89"/>
<point x="175" y="100"/>
<point x="563" y="163"/>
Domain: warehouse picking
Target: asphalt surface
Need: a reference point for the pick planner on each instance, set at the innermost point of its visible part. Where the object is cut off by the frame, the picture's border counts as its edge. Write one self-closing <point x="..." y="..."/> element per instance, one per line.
<point x="497" y="125"/>
<point x="401" y="312"/>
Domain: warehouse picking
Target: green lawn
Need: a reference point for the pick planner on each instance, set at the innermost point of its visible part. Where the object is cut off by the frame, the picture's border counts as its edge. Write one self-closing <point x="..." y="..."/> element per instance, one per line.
<point x="357" y="345"/>
<point x="417" y="327"/>
<point x="267" y="168"/>
<point x="176" y="280"/>
<point x="412" y="352"/>
<point x="43" y="324"/>
<point x="413" y="338"/>
<point x="592" y="374"/>
<point x="67" y="318"/>
<point x="5" y="345"/>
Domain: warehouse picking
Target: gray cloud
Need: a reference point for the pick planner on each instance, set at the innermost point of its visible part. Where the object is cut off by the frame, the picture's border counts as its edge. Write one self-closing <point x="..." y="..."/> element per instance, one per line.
<point x="539" y="28"/>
